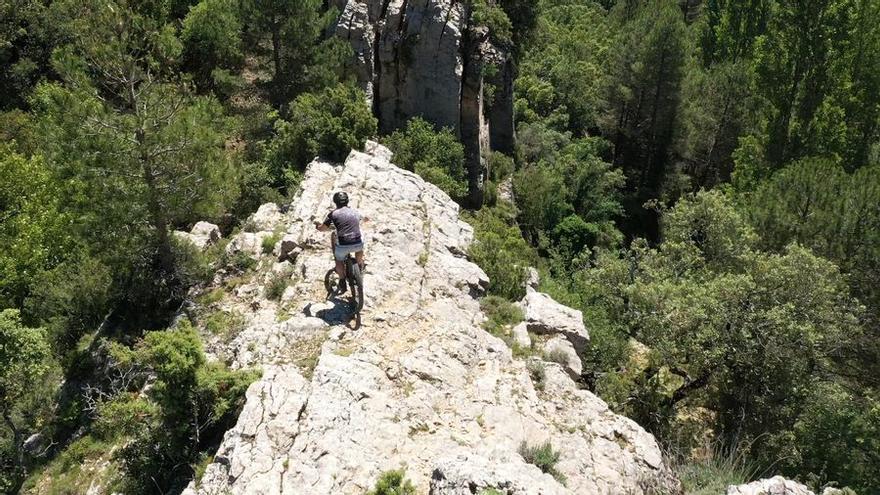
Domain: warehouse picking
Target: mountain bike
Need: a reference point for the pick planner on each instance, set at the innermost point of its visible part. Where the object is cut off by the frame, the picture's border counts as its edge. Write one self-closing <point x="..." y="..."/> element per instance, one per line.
<point x="353" y="277"/>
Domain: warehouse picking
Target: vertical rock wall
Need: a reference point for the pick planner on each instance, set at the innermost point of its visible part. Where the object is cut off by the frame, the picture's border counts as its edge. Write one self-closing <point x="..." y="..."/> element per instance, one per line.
<point x="420" y="58"/>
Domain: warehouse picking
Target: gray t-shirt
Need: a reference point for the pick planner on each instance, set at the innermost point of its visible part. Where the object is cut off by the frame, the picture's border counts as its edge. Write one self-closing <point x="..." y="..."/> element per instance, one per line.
<point x="347" y="223"/>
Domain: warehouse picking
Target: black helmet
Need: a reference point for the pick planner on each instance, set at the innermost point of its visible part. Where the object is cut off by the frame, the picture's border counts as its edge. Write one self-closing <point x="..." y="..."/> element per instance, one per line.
<point x="341" y="199"/>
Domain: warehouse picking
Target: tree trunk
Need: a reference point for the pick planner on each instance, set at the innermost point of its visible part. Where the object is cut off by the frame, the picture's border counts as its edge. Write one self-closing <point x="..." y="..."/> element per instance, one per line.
<point x="276" y="52"/>
<point x="17" y="438"/>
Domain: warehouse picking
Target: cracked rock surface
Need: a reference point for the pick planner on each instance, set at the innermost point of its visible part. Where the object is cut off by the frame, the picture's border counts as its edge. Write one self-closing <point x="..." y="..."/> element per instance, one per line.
<point x="418" y="384"/>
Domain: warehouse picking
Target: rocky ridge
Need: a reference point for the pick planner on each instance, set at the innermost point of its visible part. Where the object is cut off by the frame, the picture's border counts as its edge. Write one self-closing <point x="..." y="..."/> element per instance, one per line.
<point x="416" y="383"/>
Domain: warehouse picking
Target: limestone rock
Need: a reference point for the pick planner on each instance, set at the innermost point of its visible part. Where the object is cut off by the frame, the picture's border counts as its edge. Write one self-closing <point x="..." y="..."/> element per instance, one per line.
<point x="267" y="217"/>
<point x="520" y="334"/>
<point x="250" y="243"/>
<point x="533" y="279"/>
<point x="286" y="249"/>
<point x="469" y="473"/>
<point x="206" y="230"/>
<point x="776" y="485"/>
<point x="543" y="315"/>
<point x="415" y="381"/>
<point x="202" y="235"/>
<point x="559" y="349"/>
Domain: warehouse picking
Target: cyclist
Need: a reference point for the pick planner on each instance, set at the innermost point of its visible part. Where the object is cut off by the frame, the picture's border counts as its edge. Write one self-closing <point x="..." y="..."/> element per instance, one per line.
<point x="346" y="221"/>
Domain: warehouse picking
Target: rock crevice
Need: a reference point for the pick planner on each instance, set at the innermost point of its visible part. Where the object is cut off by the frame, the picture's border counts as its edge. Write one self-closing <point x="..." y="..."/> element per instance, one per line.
<point x="422" y="58"/>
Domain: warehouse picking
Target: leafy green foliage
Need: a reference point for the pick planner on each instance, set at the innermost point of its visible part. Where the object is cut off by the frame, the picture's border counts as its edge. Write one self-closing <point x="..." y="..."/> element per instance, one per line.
<point x="568" y="199"/>
<point x="194" y="402"/>
<point x="393" y="483"/>
<point x="328" y="124"/>
<point x="70" y="300"/>
<point x="500" y="250"/>
<point x="755" y="336"/>
<point x="32" y="233"/>
<point x="500" y="313"/>
<point x="562" y="69"/>
<point x="301" y="59"/>
<point x="27" y="373"/>
<point x="437" y="156"/>
<point x="492" y="16"/>
<point x="212" y="43"/>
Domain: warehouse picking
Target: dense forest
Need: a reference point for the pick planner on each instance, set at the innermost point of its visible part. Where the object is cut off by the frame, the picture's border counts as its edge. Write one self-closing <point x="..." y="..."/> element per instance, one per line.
<point x="700" y="177"/>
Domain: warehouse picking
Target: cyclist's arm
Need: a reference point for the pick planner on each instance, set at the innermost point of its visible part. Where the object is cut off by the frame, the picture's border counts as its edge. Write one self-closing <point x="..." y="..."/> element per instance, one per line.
<point x="325" y="225"/>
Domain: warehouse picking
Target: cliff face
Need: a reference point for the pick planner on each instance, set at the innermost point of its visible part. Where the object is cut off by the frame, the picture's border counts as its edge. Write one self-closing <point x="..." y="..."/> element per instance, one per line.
<point x="419" y="384"/>
<point x="421" y="58"/>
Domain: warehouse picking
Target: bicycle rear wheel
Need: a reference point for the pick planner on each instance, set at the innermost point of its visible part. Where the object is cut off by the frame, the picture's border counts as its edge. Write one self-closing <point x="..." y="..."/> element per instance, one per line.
<point x="356" y="280"/>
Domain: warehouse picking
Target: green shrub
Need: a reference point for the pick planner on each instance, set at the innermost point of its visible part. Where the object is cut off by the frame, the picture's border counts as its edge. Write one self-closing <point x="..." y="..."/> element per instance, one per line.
<point x="211" y="297"/>
<point x="123" y="416"/>
<point x="542" y="456"/>
<point x="393" y="483"/>
<point x="276" y="285"/>
<point x="212" y="40"/>
<point x="499" y="313"/>
<point x="493" y="17"/>
<point x="195" y="403"/>
<point x="71" y="300"/>
<point x="192" y="266"/>
<point x="437" y="156"/>
<point x="224" y="324"/>
<point x="239" y="262"/>
<point x="715" y="473"/>
<point x="500" y="250"/>
<point x="329" y="124"/>
<point x="500" y="166"/>
<point x="268" y="243"/>
<point x="538" y="374"/>
<point x="557" y="356"/>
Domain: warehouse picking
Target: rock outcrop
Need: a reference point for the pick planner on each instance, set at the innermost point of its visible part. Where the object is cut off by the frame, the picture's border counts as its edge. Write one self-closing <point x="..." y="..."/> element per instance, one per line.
<point x="415" y="383"/>
<point x="423" y="58"/>
<point x="776" y="485"/>
<point x="202" y="235"/>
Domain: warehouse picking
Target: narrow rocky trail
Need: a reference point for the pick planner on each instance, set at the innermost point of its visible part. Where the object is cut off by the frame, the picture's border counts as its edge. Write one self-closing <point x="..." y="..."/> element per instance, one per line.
<point x="419" y="384"/>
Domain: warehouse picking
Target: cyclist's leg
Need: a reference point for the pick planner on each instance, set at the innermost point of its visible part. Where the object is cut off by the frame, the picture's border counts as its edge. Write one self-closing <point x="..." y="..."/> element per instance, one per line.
<point x="340" y="263"/>
<point x="359" y="256"/>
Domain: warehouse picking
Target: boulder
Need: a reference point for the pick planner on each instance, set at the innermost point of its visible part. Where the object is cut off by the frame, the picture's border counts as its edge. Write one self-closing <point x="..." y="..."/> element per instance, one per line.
<point x="520" y="334"/>
<point x="286" y="249"/>
<point x="249" y="243"/>
<point x="543" y="315"/>
<point x="267" y="217"/>
<point x="560" y="350"/>
<point x="202" y="235"/>
<point x="776" y="485"/>
<point x="206" y="230"/>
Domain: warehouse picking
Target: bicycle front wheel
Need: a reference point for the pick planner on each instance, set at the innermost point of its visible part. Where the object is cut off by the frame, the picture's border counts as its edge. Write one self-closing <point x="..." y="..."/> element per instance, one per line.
<point x="330" y="282"/>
